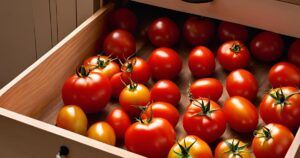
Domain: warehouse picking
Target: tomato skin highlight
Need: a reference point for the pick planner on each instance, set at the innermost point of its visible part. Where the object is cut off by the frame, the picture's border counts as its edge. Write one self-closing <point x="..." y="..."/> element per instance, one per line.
<point x="228" y="31"/>
<point x="123" y="18"/>
<point x="294" y="53"/>
<point x="140" y="72"/>
<point x="276" y="146"/>
<point x="119" y="121"/>
<point x="153" y="140"/>
<point x="208" y="88"/>
<point x="201" y="62"/>
<point x="222" y="149"/>
<point x="166" y="91"/>
<point x="241" y="114"/>
<point x="102" y="132"/>
<point x="242" y="83"/>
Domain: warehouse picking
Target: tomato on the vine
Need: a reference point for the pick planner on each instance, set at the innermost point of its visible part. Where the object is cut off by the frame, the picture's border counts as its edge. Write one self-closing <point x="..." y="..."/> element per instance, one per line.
<point x="208" y="88"/>
<point x="294" y="53"/>
<point x="281" y="105"/>
<point x="230" y="31"/>
<point x="119" y="121"/>
<point x="231" y="148"/>
<point x="166" y="91"/>
<point x="123" y="18"/>
<point x="190" y="146"/>
<point x="273" y="140"/>
<point x="136" y="69"/>
<point x="102" y="132"/>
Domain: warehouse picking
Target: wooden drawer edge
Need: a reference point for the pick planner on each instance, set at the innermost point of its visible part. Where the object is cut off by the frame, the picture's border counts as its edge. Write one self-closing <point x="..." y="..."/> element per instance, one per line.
<point x="294" y="150"/>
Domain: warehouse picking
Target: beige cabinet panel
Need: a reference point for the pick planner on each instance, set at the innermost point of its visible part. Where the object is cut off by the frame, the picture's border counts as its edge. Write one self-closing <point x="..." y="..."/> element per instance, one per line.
<point x="66" y="17"/>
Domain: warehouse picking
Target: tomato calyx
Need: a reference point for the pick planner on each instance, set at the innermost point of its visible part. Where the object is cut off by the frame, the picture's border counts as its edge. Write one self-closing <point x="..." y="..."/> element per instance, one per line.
<point x="205" y="108"/>
<point x="263" y="133"/>
<point x="128" y="65"/>
<point x="146" y="120"/>
<point x="236" y="47"/>
<point x="184" y="149"/>
<point x="280" y="98"/>
<point x="102" y="63"/>
<point x="235" y="149"/>
<point x="82" y="72"/>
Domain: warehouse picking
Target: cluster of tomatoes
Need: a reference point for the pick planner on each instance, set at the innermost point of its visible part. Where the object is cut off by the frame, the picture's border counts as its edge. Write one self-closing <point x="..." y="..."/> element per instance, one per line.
<point x="118" y="74"/>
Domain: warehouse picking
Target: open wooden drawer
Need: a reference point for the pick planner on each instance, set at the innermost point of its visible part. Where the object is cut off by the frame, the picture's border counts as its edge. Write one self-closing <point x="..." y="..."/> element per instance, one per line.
<point x="30" y="102"/>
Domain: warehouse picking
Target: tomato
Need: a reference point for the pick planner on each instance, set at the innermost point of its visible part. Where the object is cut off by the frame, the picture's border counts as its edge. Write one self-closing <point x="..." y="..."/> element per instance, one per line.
<point x="137" y="69"/>
<point x="152" y="138"/>
<point x="102" y="64"/>
<point x="119" y="121"/>
<point x="134" y="95"/>
<point x="190" y="146"/>
<point x="231" y="148"/>
<point x="123" y="18"/>
<point x="281" y="105"/>
<point x="205" y="119"/>
<point x="118" y="83"/>
<point x="242" y="83"/>
<point x="163" y="32"/>
<point x="241" y="114"/>
<point x="294" y="53"/>
<point x="233" y="55"/>
<point x="166" y="91"/>
<point x="208" y="88"/>
<point x="198" y="31"/>
<point x="228" y="31"/>
<point x="119" y="43"/>
<point x="201" y="62"/>
<point x="267" y="46"/>
<point x="165" y="63"/>
<point x="91" y="91"/>
<point x="163" y="110"/>
<point x="284" y="74"/>
<point x="72" y="118"/>
<point x="102" y="132"/>
<point x="273" y="140"/>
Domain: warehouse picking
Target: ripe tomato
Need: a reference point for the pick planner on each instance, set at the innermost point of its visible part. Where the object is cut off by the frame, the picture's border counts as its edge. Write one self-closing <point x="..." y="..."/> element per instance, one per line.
<point x="231" y="148"/>
<point x="273" y="140"/>
<point x="119" y="121"/>
<point x="233" y="55"/>
<point x="72" y="118"/>
<point x="165" y="63"/>
<point x="91" y="91"/>
<point x="205" y="119"/>
<point x="267" y="46"/>
<point x="152" y="138"/>
<point x="190" y="146"/>
<point x="118" y="84"/>
<point x="123" y="18"/>
<point x="242" y="83"/>
<point x="102" y="64"/>
<point x="294" y="53"/>
<point x="281" y="105"/>
<point x="102" y="132"/>
<point x="163" y="110"/>
<point x="241" y="114"/>
<point x="119" y="43"/>
<point x="230" y="31"/>
<point x="197" y="31"/>
<point x="163" y="32"/>
<point x="201" y="62"/>
<point x="166" y="91"/>
<point x="208" y="88"/>
<point x="135" y="94"/>
<point x="137" y="69"/>
<point x="284" y="74"/>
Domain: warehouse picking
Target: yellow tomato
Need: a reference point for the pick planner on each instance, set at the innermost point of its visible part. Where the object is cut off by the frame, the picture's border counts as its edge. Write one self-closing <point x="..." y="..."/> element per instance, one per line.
<point x="232" y="148"/>
<point x="103" y="132"/>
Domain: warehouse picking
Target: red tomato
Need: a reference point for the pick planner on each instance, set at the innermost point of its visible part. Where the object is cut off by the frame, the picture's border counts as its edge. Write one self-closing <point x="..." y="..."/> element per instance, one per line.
<point x="231" y="148"/>
<point x="190" y="147"/>
<point x="233" y="55"/>
<point x="166" y="91"/>
<point x="151" y="138"/>
<point x="208" y="88"/>
<point x="91" y="91"/>
<point x="118" y="84"/>
<point x="163" y="110"/>
<point x="230" y="31"/>
<point x="281" y="105"/>
<point x="284" y="74"/>
<point x="242" y="83"/>
<point x="119" y="43"/>
<point x="102" y="64"/>
<point x="119" y="121"/>
<point x="134" y="95"/>
<point x="102" y="132"/>
<point x="197" y="31"/>
<point x="294" y="53"/>
<point x="205" y="119"/>
<point x="273" y="140"/>
<point x="201" y="62"/>
<point x="137" y="69"/>
<point x="165" y="63"/>
<point x="72" y="118"/>
<point x="163" y="32"/>
<point x="123" y="18"/>
<point x="267" y="46"/>
<point x="241" y="114"/>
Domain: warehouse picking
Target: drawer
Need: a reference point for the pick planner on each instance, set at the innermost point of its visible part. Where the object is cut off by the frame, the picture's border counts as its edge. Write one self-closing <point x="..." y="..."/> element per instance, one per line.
<point x="29" y="104"/>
